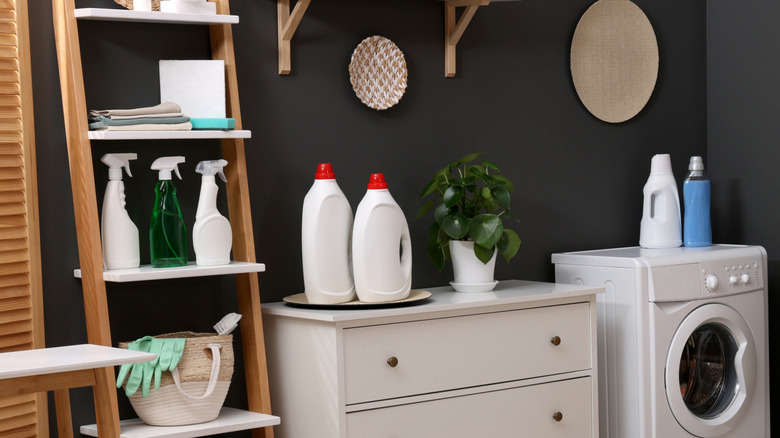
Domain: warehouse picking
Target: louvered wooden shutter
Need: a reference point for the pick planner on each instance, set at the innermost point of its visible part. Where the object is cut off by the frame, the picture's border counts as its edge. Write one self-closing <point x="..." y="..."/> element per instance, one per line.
<point x="21" y="314"/>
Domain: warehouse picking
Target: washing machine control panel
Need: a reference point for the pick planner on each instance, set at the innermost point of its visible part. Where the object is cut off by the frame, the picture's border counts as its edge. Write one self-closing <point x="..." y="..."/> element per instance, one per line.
<point x="730" y="276"/>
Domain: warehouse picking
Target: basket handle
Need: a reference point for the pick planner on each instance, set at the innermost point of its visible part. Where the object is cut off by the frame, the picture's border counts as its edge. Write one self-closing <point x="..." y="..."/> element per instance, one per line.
<point x="215" y="363"/>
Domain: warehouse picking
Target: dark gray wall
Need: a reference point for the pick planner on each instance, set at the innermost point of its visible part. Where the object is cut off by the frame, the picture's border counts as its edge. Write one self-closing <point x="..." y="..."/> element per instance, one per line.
<point x="579" y="180"/>
<point x="742" y="110"/>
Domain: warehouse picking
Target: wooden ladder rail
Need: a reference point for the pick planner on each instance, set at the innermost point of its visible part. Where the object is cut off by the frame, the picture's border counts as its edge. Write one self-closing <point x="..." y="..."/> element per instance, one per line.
<point x="88" y="226"/>
<point x="247" y="285"/>
<point x="74" y="107"/>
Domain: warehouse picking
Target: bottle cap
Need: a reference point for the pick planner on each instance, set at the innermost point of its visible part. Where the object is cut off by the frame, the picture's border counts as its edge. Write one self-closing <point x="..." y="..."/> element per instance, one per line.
<point x="116" y="162"/>
<point x="377" y="181"/>
<point x="661" y="165"/>
<point x="696" y="164"/>
<point x="166" y="165"/>
<point x="211" y="168"/>
<point x="324" y="171"/>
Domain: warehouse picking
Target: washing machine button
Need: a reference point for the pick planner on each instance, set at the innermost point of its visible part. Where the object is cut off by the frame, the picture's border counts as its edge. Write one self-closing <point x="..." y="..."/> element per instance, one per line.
<point x="711" y="282"/>
<point x="744" y="279"/>
<point x="732" y="280"/>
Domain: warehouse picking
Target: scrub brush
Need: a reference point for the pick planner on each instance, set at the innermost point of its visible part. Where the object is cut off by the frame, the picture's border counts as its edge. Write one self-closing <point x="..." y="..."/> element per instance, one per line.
<point x="227" y="324"/>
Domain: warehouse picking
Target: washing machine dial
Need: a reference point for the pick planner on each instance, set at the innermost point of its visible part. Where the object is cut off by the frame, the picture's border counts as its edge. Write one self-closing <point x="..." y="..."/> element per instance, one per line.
<point x="711" y="281"/>
<point x="744" y="279"/>
<point x="733" y="280"/>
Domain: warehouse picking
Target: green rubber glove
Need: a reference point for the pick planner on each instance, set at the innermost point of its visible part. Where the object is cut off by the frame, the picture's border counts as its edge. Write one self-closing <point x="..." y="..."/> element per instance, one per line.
<point x="137" y="370"/>
<point x="154" y="366"/>
<point x="171" y="353"/>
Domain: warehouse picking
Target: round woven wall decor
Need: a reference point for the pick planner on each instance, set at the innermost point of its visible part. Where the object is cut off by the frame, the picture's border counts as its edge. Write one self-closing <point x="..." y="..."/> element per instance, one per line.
<point x="129" y="4"/>
<point x="378" y="73"/>
<point x="614" y="60"/>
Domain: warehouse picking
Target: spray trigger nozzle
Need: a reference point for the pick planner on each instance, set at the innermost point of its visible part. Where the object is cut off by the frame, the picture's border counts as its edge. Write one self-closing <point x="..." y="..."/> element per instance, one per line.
<point x="117" y="162"/>
<point x="166" y="165"/>
<point x="212" y="167"/>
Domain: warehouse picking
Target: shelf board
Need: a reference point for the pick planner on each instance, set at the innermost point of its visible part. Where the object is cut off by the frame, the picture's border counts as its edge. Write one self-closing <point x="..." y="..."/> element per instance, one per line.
<point x="152" y="16"/>
<point x="147" y="272"/>
<point x="167" y="135"/>
<point x="229" y="420"/>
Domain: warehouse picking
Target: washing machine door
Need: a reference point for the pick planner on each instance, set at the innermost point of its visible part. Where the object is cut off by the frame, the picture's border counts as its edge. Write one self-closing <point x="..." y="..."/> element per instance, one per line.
<point x="710" y="370"/>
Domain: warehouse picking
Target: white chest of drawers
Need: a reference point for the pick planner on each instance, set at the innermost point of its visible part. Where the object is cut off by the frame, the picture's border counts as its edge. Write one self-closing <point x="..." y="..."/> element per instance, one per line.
<point x="520" y="359"/>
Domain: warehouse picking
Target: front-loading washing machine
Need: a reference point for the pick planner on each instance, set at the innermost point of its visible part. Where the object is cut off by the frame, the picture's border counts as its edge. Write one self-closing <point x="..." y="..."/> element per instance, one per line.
<point x="682" y="339"/>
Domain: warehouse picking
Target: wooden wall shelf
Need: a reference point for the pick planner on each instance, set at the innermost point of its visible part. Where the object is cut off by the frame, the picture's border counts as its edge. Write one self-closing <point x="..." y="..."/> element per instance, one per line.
<point x="288" y="21"/>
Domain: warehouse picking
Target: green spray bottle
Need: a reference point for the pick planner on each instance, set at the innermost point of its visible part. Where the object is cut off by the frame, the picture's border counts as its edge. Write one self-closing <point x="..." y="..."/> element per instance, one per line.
<point x="167" y="233"/>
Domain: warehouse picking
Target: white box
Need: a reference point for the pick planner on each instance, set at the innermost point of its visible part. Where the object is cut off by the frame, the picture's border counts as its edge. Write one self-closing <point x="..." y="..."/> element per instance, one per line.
<point x="198" y="86"/>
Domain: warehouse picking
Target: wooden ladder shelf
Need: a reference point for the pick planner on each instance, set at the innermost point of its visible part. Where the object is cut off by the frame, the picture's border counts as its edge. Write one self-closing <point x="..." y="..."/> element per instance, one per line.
<point x="88" y="224"/>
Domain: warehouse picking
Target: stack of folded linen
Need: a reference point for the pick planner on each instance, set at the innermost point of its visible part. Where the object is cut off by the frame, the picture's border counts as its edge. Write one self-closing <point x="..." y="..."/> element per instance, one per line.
<point x="166" y="116"/>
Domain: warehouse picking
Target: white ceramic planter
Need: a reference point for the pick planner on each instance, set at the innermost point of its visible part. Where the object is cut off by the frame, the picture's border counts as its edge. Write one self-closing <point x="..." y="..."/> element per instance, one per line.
<point x="470" y="274"/>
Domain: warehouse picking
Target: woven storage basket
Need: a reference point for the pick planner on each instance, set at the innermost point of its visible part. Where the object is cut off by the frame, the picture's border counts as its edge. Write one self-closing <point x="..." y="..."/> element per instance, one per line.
<point x="190" y="402"/>
<point x="129" y="4"/>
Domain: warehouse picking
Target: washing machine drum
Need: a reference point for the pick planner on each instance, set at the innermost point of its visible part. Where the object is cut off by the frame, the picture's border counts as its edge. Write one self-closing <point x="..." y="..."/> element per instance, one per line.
<point x="710" y="370"/>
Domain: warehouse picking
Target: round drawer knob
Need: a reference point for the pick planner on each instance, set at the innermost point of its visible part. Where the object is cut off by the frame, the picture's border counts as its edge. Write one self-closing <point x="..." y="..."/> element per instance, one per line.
<point x="392" y="361"/>
<point x="557" y="416"/>
<point x="556" y="340"/>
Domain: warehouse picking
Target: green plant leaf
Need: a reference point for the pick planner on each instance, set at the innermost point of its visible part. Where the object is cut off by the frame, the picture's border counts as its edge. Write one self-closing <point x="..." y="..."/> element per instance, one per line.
<point x="500" y="179"/>
<point x="456" y="226"/>
<point x="501" y="195"/>
<point x="435" y="251"/>
<point x="470" y="157"/>
<point x="486" y="193"/>
<point x="424" y="209"/>
<point x="432" y="187"/>
<point x="440" y="212"/>
<point x="462" y="181"/>
<point x="486" y="230"/>
<point x="452" y="195"/>
<point x="490" y="165"/>
<point x="477" y="170"/>
<point x="509" y="244"/>
<point x="483" y="254"/>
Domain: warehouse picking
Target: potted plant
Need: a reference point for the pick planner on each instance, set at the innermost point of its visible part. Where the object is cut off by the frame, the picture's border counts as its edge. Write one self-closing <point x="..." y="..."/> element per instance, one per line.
<point x="470" y="202"/>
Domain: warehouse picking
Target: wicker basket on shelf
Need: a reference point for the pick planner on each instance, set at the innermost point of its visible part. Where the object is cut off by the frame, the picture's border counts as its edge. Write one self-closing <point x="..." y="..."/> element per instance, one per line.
<point x="129" y="4"/>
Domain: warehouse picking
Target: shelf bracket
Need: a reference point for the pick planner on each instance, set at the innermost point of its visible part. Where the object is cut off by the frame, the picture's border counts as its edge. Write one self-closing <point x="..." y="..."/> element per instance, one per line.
<point x="287" y="23"/>
<point x="454" y="28"/>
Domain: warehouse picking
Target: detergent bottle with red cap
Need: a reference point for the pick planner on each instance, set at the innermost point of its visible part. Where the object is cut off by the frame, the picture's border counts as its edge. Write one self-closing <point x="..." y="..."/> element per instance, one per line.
<point x="325" y="240"/>
<point x="381" y="246"/>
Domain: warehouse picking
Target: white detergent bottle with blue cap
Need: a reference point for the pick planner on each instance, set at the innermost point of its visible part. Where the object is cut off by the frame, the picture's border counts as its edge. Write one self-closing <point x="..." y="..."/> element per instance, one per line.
<point x="118" y="232"/>
<point x="381" y="246"/>
<point x="661" y="224"/>
<point x="326" y="230"/>
<point x="212" y="237"/>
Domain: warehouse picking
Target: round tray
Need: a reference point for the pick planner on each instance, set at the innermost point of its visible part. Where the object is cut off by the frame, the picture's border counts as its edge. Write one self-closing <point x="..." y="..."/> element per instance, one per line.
<point x="415" y="295"/>
<point x="378" y="72"/>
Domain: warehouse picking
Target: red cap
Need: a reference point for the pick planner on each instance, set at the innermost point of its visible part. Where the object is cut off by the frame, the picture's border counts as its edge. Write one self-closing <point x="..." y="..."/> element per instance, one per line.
<point x="324" y="171"/>
<point x="377" y="181"/>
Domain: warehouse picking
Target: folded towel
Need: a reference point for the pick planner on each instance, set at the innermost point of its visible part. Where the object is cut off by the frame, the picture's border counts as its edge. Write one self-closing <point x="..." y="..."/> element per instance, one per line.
<point x="141" y="116"/>
<point x="163" y="108"/>
<point x="187" y="126"/>
<point x="98" y="122"/>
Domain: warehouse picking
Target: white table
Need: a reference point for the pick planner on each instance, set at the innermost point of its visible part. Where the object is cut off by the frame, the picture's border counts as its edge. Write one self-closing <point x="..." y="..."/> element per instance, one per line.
<point x="60" y="368"/>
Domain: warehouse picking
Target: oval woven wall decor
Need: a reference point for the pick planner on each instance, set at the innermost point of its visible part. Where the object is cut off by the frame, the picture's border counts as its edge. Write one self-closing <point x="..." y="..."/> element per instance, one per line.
<point x="614" y="60"/>
<point x="378" y="72"/>
<point x="129" y="4"/>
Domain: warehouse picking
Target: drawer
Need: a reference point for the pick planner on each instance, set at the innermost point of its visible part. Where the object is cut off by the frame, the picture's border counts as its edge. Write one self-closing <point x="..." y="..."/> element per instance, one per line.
<point x="448" y="353"/>
<point x="527" y="411"/>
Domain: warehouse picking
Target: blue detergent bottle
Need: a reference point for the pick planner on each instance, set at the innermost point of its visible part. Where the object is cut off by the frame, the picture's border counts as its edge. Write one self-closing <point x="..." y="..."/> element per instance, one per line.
<point x="697" y="228"/>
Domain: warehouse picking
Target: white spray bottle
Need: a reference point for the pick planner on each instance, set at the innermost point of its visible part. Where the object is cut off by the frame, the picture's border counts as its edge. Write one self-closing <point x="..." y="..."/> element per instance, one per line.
<point x="118" y="232"/>
<point x="212" y="237"/>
